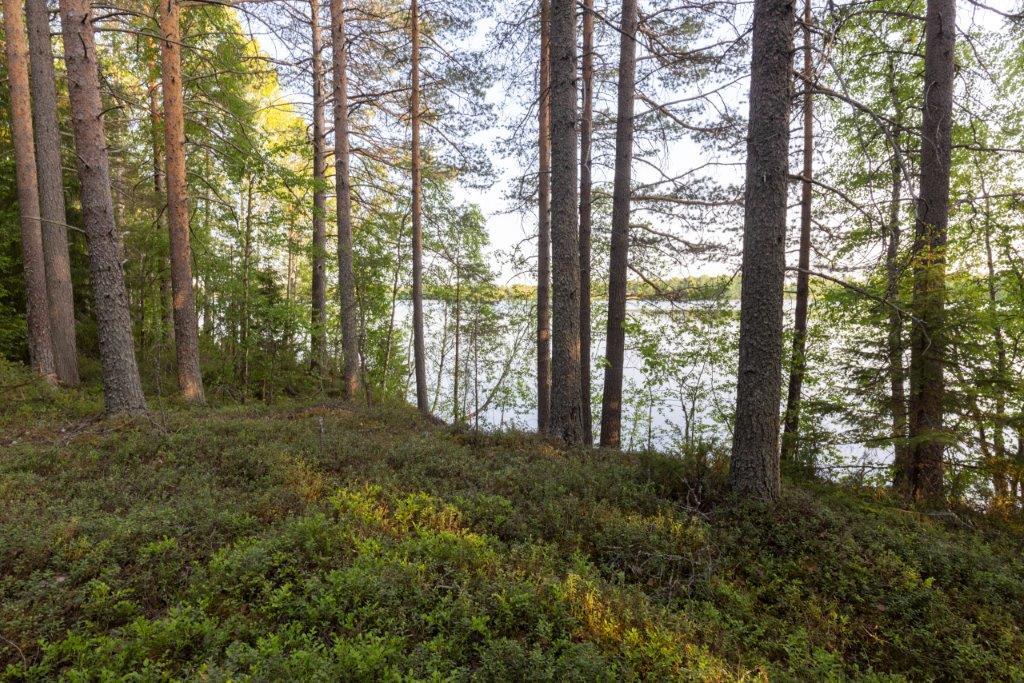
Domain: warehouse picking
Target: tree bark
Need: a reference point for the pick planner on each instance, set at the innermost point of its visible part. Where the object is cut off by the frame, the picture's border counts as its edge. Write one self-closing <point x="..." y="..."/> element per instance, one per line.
<point x="186" y="333"/>
<point x="419" y="345"/>
<point x="160" y="190"/>
<point x="318" y="338"/>
<point x="894" y="341"/>
<point x="791" y="430"/>
<point x="927" y="384"/>
<point x="60" y="296"/>
<point x="754" y="469"/>
<point x="40" y="343"/>
<point x="544" y="224"/>
<point x="566" y="403"/>
<point x="586" y="164"/>
<point x="999" y="465"/>
<point x="611" y="403"/>
<point x="122" y="389"/>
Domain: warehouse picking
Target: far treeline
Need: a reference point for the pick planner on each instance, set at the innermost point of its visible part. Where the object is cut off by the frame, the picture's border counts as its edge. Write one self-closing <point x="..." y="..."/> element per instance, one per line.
<point x="261" y="197"/>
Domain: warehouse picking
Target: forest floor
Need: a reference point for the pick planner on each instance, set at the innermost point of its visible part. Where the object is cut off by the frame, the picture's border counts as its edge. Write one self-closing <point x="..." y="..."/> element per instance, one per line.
<point x="323" y="541"/>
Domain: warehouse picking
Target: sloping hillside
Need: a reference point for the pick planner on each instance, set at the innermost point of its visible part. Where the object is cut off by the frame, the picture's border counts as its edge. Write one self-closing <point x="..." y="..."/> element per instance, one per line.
<point x="306" y="541"/>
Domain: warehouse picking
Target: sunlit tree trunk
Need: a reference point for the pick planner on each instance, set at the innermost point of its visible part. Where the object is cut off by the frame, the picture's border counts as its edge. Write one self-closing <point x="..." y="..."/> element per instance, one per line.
<point x="186" y="333"/>
<point x="318" y="339"/>
<point x="791" y="429"/>
<point x="894" y="341"/>
<point x="754" y="468"/>
<point x="927" y="384"/>
<point x="611" y="402"/>
<point x="40" y="344"/>
<point x="566" y="402"/>
<point x="586" y="162"/>
<point x="122" y="389"/>
<point x="60" y="296"/>
<point x="544" y="224"/>
<point x="419" y="345"/>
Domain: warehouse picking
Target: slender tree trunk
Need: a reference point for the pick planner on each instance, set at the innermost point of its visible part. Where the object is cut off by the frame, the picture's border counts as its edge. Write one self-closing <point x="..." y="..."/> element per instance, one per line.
<point x="544" y="224"/>
<point x="186" y="333"/>
<point x="586" y="164"/>
<point x="611" y="402"/>
<point x="458" y="341"/>
<point x="927" y="384"/>
<point x="40" y="343"/>
<point x="243" y="366"/>
<point x="566" y="401"/>
<point x="754" y="470"/>
<point x="999" y="465"/>
<point x="59" y="292"/>
<point x="160" y="189"/>
<point x="791" y="430"/>
<point x="894" y="342"/>
<point x="419" y="345"/>
<point x="318" y="339"/>
<point x="122" y="389"/>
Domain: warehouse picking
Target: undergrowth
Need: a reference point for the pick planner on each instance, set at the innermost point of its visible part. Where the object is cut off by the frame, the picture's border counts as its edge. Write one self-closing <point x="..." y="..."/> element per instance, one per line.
<point x="306" y="541"/>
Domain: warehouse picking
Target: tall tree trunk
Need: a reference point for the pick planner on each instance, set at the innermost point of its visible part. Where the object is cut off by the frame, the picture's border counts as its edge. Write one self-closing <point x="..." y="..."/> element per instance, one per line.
<point x="927" y="384"/>
<point x="754" y="470"/>
<point x="566" y="402"/>
<point x="791" y="430"/>
<point x="544" y="224"/>
<point x="419" y="345"/>
<point x="318" y="339"/>
<point x="160" y="189"/>
<point x="40" y="343"/>
<point x="894" y="341"/>
<point x="1000" y="465"/>
<point x="122" y="389"/>
<point x="186" y="333"/>
<point x="343" y="184"/>
<point x="60" y="296"/>
<point x="586" y="165"/>
<point x="611" y="402"/>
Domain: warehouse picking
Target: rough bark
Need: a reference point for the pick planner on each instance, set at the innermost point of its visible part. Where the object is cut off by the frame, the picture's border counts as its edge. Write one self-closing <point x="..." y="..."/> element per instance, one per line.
<point x="419" y="345"/>
<point x="586" y="162"/>
<point x="186" y="333"/>
<point x="611" y="402"/>
<point x="927" y="384"/>
<point x="318" y="338"/>
<point x="566" y="403"/>
<point x="122" y="389"/>
<point x="40" y="344"/>
<point x="754" y="470"/>
<point x="544" y="224"/>
<point x="798" y="367"/>
<point x="60" y="296"/>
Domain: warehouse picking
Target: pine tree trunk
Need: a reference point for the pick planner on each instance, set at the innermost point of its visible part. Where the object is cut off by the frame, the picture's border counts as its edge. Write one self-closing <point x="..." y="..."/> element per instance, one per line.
<point x="927" y="384"/>
<point x="186" y="333"/>
<point x="611" y="403"/>
<point x="419" y="345"/>
<point x="59" y="292"/>
<point x="40" y="344"/>
<point x="999" y="464"/>
<point x="754" y="470"/>
<point x="791" y="429"/>
<point x="544" y="224"/>
<point x="566" y="403"/>
<point x="894" y="341"/>
<point x="160" y="190"/>
<point x="318" y="338"/>
<point x="586" y="163"/>
<point x="122" y="389"/>
<point x="343" y="183"/>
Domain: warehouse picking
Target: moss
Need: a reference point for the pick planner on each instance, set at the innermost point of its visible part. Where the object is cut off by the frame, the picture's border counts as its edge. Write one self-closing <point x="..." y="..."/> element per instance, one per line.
<point x="327" y="542"/>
